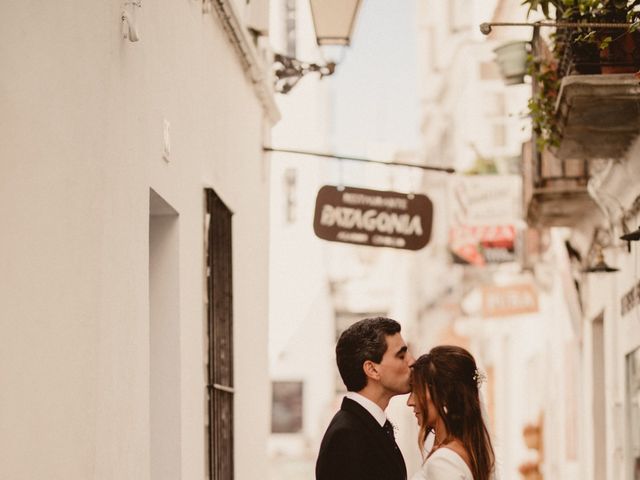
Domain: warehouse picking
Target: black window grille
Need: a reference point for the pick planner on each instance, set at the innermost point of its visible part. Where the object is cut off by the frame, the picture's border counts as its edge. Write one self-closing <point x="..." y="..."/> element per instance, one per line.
<point x="220" y="338"/>
<point x="286" y="406"/>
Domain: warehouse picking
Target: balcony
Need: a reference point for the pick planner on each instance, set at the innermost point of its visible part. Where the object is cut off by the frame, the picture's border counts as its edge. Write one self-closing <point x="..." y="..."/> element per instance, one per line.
<point x="596" y="117"/>
<point x="555" y="191"/>
<point x="598" y="114"/>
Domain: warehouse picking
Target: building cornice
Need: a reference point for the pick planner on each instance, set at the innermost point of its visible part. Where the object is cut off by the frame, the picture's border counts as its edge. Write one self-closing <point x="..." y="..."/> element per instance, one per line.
<point x="252" y="64"/>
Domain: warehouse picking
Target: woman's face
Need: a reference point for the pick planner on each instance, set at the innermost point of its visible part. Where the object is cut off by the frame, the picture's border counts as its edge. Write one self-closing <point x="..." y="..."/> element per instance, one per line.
<point x="431" y="409"/>
<point x="412" y="402"/>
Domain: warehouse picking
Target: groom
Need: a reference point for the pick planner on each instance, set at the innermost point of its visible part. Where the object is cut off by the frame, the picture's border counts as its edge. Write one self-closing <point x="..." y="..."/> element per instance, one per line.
<point x="359" y="443"/>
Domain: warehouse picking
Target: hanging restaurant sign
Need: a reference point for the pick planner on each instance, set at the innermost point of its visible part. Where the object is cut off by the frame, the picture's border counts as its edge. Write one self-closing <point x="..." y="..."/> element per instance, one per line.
<point x="373" y="217"/>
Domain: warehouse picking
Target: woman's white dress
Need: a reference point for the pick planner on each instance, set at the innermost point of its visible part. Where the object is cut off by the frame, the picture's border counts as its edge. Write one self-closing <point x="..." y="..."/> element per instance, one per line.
<point x="444" y="464"/>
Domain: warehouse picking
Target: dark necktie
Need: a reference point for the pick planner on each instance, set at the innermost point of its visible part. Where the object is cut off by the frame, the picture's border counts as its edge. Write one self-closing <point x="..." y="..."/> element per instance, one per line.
<point x="388" y="429"/>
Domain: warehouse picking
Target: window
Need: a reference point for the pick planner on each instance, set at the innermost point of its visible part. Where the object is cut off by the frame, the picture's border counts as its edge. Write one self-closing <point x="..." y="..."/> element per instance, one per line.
<point x="633" y="411"/>
<point x="220" y="338"/>
<point x="432" y="49"/>
<point x="499" y="134"/>
<point x="489" y="71"/>
<point x="458" y="15"/>
<point x="286" y="407"/>
<point x="290" y="27"/>
<point x="290" y="180"/>
<point x="494" y="104"/>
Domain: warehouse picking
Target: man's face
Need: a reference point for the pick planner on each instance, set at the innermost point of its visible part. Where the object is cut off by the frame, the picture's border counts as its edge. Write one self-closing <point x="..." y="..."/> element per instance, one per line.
<point x="394" y="367"/>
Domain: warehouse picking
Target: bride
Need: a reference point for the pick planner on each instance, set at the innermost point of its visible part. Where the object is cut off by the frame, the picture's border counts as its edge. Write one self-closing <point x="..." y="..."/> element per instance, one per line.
<point x="446" y="402"/>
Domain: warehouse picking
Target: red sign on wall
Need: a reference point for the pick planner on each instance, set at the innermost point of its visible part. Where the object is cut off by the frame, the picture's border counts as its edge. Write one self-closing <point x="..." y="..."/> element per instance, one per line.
<point x="478" y="245"/>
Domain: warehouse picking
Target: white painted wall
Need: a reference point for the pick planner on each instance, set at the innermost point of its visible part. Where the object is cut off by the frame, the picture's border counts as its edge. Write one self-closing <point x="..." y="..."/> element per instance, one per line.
<point x="82" y="114"/>
<point x="603" y="294"/>
<point x="616" y="188"/>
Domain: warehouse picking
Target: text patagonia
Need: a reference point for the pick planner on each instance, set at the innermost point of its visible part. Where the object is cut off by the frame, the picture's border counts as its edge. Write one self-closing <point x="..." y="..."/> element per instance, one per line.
<point x="371" y="220"/>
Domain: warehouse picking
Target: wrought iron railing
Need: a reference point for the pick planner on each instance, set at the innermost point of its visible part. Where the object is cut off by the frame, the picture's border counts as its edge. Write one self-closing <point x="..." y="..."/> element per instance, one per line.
<point x="597" y="51"/>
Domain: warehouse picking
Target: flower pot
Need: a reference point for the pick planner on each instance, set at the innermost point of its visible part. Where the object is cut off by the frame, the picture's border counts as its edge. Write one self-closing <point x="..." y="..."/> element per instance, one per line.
<point x="622" y="55"/>
<point x="512" y="60"/>
<point x="586" y="58"/>
<point x="530" y="471"/>
<point x="532" y="436"/>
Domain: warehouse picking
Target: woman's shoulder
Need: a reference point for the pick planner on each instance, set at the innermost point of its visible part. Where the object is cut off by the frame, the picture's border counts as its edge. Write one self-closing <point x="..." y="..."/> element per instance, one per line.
<point x="445" y="464"/>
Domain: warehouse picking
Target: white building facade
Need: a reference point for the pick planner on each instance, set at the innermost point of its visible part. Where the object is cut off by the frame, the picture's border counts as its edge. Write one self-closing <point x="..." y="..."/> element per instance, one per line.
<point x="135" y="254"/>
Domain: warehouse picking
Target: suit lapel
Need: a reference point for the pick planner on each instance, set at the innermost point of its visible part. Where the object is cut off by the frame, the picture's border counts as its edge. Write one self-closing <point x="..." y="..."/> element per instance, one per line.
<point x="381" y="439"/>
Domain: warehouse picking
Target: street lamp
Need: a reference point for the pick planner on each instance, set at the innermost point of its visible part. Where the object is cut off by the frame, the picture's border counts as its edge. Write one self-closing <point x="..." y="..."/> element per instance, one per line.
<point x="600" y="266"/>
<point x="333" y="21"/>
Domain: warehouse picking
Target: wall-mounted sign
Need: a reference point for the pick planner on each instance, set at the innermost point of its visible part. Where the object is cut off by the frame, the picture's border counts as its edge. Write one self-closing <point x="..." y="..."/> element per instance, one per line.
<point x="509" y="300"/>
<point x="630" y="299"/>
<point x="373" y="217"/>
<point x="486" y="199"/>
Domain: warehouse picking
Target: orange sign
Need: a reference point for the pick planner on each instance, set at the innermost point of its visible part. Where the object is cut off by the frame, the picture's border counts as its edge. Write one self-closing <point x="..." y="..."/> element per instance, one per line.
<point x="509" y="300"/>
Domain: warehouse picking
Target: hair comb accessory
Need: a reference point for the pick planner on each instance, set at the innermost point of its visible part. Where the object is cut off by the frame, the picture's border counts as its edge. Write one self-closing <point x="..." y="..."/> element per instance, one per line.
<point x="479" y="377"/>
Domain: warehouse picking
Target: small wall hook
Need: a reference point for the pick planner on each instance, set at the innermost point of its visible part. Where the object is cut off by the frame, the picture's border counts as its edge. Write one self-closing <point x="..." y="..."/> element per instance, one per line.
<point x="129" y="24"/>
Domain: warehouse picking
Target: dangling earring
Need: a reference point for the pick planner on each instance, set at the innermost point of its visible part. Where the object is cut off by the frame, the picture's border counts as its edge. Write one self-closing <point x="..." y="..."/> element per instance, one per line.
<point x="446" y="410"/>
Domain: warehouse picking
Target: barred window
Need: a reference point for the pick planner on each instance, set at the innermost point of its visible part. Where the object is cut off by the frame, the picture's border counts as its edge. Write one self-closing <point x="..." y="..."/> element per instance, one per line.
<point x="286" y="407"/>
<point x="220" y="339"/>
<point x="489" y="71"/>
<point x="290" y="194"/>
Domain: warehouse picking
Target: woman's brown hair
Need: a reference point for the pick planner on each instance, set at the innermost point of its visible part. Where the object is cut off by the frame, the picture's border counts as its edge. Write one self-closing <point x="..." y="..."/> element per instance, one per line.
<point x="451" y="376"/>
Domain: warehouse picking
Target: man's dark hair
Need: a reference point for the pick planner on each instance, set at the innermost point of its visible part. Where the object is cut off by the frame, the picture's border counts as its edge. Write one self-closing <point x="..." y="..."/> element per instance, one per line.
<point x="362" y="341"/>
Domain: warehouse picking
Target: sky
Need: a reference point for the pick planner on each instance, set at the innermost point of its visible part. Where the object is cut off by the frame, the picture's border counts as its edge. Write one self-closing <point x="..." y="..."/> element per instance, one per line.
<point x="375" y="88"/>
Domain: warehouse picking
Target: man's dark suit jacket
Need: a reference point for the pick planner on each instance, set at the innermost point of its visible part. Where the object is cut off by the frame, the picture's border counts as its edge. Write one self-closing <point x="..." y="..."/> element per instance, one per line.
<point x="355" y="447"/>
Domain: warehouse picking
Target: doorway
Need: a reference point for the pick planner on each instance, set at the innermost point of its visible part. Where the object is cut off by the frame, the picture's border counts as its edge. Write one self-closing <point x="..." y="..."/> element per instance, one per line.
<point x="598" y="389"/>
<point x="164" y="339"/>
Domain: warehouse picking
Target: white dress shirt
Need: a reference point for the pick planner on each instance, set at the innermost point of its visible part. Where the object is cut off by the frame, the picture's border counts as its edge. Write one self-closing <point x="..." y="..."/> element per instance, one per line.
<point x="370" y="406"/>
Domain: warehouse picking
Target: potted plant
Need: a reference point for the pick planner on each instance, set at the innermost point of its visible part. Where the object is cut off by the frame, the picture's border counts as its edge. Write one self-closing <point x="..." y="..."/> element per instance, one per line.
<point x="597" y="50"/>
<point x="532" y="436"/>
<point x="530" y="471"/>
<point x="511" y="57"/>
<point x="617" y="50"/>
<point x="591" y="50"/>
<point x="543" y="6"/>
